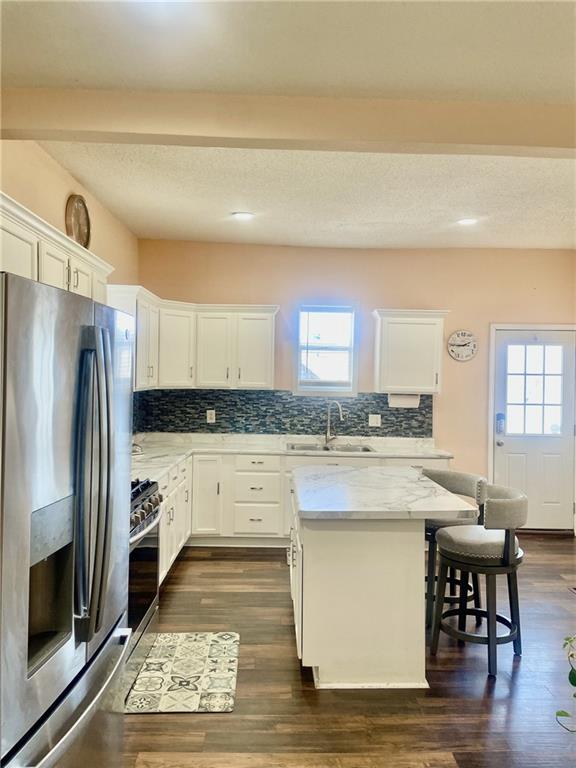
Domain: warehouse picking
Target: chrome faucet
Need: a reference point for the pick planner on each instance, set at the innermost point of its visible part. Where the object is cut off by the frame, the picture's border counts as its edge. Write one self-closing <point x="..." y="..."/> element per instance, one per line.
<point x="329" y="435"/>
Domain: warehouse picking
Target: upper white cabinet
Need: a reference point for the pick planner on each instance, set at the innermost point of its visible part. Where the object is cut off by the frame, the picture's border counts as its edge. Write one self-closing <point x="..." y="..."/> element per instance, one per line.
<point x="18" y="249"/>
<point x="408" y="352"/>
<point x="235" y="350"/>
<point x="177" y="347"/>
<point x="214" y="352"/>
<point x="31" y="248"/>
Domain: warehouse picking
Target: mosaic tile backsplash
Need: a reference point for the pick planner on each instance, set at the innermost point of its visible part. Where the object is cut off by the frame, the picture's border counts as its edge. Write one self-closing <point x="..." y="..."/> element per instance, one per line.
<point x="274" y="412"/>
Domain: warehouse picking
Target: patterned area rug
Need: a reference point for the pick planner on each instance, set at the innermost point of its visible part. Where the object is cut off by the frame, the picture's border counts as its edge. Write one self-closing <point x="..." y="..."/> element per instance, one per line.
<point x="187" y="672"/>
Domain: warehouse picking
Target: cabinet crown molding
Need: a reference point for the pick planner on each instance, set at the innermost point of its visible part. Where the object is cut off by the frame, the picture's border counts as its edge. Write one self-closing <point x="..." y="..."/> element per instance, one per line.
<point x="411" y="312"/>
<point x="139" y="292"/>
<point x="12" y="209"/>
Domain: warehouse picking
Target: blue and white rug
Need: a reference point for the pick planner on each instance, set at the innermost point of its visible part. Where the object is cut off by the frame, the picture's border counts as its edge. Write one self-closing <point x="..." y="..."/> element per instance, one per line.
<point x="187" y="672"/>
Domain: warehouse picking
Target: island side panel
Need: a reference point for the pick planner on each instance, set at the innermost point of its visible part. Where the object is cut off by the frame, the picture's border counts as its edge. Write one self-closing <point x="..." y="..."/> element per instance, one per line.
<point x="363" y="603"/>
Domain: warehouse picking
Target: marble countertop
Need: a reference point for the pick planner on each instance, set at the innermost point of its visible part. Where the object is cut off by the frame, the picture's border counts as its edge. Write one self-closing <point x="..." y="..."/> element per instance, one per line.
<point x="161" y="450"/>
<point x="372" y="493"/>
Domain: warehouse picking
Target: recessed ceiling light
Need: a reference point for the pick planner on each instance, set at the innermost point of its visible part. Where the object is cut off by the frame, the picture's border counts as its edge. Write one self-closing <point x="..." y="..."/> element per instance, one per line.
<point x="467" y="222"/>
<point x="243" y="215"/>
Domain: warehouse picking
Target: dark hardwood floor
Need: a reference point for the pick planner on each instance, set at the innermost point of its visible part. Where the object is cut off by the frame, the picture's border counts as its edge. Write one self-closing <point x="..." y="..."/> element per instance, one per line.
<point x="465" y="720"/>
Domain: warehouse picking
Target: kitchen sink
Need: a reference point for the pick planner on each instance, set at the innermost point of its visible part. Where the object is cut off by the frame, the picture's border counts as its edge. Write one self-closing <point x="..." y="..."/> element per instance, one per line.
<point x="316" y="448"/>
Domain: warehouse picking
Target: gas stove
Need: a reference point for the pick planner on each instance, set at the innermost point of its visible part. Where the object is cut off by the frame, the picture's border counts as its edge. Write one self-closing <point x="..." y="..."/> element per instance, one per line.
<point x="144" y="507"/>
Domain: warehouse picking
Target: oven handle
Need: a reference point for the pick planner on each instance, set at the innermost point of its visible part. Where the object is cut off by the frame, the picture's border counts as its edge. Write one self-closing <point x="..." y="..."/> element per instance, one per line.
<point x="146" y="531"/>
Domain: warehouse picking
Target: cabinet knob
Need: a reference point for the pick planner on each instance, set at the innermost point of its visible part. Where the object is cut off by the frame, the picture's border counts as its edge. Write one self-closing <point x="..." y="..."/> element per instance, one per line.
<point x="256" y="488"/>
<point x="255" y="519"/>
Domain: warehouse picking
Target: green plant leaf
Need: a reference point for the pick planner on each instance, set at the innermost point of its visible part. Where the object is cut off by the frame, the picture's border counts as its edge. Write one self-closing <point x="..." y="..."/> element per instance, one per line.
<point x="572" y="677"/>
<point x="563" y="713"/>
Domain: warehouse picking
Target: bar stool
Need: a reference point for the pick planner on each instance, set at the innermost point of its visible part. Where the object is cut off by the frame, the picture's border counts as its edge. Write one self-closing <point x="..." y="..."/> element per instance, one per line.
<point x="463" y="484"/>
<point x="491" y="550"/>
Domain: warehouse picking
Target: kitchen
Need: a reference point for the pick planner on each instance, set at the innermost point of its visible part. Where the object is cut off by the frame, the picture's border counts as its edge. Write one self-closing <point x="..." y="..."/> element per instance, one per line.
<point x="316" y="301"/>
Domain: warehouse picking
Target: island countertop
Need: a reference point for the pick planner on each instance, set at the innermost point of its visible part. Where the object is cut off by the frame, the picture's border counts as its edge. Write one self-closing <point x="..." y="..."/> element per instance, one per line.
<point x="372" y="493"/>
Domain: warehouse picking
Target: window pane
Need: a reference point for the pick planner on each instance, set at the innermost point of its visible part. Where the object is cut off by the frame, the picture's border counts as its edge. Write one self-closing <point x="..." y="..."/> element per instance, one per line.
<point x="553" y="390"/>
<point x="515" y="391"/>
<point x="515" y="419"/>
<point x="326" y="329"/>
<point x="516" y="358"/>
<point x="552" y="420"/>
<point x="325" y="366"/>
<point x="535" y="358"/>
<point x="534" y="389"/>
<point x="553" y="358"/>
<point x="534" y="419"/>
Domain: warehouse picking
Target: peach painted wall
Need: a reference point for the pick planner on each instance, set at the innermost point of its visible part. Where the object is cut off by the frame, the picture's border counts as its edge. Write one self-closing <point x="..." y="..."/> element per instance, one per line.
<point x="477" y="286"/>
<point x="33" y="178"/>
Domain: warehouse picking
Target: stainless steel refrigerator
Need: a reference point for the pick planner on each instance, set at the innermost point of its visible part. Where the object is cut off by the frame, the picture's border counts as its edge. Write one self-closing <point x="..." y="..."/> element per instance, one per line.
<point x="66" y="418"/>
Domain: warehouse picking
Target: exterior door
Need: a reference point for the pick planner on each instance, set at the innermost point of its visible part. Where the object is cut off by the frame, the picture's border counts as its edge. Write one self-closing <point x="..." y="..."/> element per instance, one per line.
<point x="534" y="422"/>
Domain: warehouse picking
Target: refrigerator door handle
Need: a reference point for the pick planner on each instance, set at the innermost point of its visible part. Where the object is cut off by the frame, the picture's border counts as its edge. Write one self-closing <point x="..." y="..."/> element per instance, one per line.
<point x="55" y="754"/>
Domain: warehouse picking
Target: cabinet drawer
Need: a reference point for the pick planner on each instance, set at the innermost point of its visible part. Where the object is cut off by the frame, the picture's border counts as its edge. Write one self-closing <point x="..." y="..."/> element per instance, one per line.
<point x="257" y="519"/>
<point x="258" y="463"/>
<point x="183" y="470"/>
<point x="164" y="485"/>
<point x="253" y="486"/>
<point x="328" y="461"/>
<point x="439" y="463"/>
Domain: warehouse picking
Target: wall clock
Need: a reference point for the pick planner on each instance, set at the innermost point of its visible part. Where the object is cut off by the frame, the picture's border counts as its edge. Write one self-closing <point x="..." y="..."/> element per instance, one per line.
<point x="462" y="345"/>
<point x="78" y="220"/>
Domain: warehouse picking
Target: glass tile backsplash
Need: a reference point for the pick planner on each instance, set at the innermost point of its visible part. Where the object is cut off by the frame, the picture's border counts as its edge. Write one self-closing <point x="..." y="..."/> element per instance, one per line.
<point x="274" y="412"/>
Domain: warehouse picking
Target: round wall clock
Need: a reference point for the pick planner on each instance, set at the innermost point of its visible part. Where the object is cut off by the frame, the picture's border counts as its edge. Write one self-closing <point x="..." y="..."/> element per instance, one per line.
<point x="78" y="220"/>
<point x="462" y="345"/>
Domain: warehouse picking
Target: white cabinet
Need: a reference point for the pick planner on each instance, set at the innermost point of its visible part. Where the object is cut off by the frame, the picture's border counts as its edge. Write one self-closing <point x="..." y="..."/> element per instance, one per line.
<point x="207" y="495"/>
<point x="235" y="350"/>
<point x="296" y="563"/>
<point x="147" y="330"/>
<point x="18" y="249"/>
<point x="214" y="350"/>
<point x="408" y="353"/>
<point x="32" y="248"/>
<point x="53" y="265"/>
<point x="177" y="348"/>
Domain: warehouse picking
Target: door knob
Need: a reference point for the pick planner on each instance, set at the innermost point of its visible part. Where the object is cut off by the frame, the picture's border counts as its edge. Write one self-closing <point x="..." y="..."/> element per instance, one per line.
<point x="499" y="443"/>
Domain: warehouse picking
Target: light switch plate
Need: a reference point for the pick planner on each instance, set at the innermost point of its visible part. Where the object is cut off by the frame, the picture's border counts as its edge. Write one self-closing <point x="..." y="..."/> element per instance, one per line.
<point x="374" y="420"/>
<point x="211" y="417"/>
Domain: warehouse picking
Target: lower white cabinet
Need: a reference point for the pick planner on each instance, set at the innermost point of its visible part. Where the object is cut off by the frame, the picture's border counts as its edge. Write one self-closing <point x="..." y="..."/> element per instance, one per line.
<point x="176" y="521"/>
<point x="207" y="495"/>
<point x="296" y="562"/>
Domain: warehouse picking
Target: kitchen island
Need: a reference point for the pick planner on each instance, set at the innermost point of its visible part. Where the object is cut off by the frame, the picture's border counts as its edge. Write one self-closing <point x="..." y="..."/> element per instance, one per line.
<point x="357" y="558"/>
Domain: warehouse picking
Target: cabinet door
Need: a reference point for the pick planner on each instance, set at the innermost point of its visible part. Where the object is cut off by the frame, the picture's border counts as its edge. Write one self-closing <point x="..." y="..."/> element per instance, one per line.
<point x="142" y="344"/>
<point x="99" y="288"/>
<point x="207" y="495"/>
<point x="153" y="345"/>
<point x="18" y="250"/>
<point x="214" y="350"/>
<point x="53" y="263"/>
<point x="165" y="542"/>
<point x="176" y="348"/>
<point x="410" y="355"/>
<point x="80" y="277"/>
<point x="255" y="352"/>
<point x="188" y="500"/>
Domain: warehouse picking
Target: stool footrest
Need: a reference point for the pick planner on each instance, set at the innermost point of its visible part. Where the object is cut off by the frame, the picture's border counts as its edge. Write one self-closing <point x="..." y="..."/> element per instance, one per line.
<point x="470" y="637"/>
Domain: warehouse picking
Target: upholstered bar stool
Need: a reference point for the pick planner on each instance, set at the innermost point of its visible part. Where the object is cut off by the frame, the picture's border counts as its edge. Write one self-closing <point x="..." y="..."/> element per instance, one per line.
<point x="491" y="550"/>
<point x="463" y="484"/>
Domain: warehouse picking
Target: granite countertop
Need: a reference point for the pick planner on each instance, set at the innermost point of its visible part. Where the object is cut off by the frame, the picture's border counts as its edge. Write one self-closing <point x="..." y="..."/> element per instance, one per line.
<point x="372" y="493"/>
<point x="161" y="450"/>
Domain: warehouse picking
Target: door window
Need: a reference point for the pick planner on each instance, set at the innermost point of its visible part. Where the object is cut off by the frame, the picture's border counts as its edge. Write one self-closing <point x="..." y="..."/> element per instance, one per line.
<point x="534" y="389"/>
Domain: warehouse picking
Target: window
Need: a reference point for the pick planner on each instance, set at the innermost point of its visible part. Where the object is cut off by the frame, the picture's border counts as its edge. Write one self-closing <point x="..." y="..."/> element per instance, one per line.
<point x="534" y="389"/>
<point x="326" y="359"/>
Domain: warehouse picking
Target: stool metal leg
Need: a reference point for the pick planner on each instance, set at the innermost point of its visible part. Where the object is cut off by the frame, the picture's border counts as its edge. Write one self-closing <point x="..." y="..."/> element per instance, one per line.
<point x="477" y="597"/>
<point x="431" y="582"/>
<point x="463" y="603"/>
<point x="491" y="608"/>
<point x="515" y="609"/>
<point x="452" y="582"/>
<point x="438" y="606"/>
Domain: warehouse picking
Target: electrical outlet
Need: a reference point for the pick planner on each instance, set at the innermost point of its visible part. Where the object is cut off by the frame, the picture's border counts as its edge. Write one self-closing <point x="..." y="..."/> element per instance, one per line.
<point x="374" y="420"/>
<point x="211" y="417"/>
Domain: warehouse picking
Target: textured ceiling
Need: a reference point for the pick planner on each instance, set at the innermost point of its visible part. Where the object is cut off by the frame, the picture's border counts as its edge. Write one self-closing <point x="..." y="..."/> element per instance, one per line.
<point x="519" y="51"/>
<point x="330" y="198"/>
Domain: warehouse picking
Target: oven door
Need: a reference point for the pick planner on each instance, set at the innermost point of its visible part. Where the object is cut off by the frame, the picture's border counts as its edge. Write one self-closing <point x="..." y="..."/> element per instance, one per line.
<point x="143" y="579"/>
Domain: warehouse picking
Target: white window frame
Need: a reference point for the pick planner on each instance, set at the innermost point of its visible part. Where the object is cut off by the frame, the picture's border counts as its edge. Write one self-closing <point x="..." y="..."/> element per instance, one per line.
<point x="327" y="389"/>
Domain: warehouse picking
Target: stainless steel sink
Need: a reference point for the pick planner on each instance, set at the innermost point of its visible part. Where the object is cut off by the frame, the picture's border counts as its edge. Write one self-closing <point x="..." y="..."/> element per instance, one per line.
<point x="316" y="448"/>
